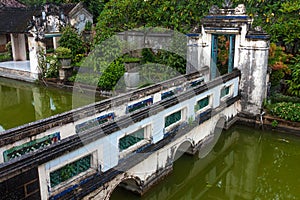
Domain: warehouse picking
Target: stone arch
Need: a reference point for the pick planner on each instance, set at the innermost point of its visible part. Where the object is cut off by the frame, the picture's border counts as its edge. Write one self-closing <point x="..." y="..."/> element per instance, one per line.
<point x="181" y="167"/>
<point x="185" y="147"/>
<point x="130" y="183"/>
<point x="215" y="134"/>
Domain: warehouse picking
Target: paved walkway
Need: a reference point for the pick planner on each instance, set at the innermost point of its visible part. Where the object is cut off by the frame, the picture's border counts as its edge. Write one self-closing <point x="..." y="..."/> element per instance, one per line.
<point x="16" y="65"/>
<point x="19" y="70"/>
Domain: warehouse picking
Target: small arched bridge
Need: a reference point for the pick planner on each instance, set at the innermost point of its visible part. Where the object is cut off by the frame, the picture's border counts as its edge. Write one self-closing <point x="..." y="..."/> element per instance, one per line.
<point x="132" y="140"/>
<point x="86" y="153"/>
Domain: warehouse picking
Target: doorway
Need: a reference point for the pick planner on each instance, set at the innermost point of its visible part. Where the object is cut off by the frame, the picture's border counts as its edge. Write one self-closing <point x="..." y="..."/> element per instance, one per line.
<point x="222" y="54"/>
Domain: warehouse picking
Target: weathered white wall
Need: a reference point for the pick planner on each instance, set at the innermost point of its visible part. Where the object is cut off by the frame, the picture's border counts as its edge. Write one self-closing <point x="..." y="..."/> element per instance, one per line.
<point x="106" y="150"/>
<point x="198" y="55"/>
<point x="253" y="63"/>
<point x="161" y="160"/>
<point x="250" y="56"/>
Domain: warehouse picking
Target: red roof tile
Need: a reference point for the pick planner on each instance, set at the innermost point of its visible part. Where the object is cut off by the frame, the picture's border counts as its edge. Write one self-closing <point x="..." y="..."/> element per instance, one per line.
<point x="11" y="3"/>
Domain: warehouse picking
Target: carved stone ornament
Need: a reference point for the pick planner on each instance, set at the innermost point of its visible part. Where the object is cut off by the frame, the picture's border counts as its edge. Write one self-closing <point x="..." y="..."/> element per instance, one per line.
<point x="240" y="9"/>
<point x="50" y="20"/>
<point x="258" y="29"/>
<point x="214" y="10"/>
<point x="227" y="4"/>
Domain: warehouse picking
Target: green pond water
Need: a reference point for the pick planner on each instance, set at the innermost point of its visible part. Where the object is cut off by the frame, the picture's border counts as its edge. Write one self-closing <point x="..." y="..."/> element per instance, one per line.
<point x="21" y="102"/>
<point x="244" y="164"/>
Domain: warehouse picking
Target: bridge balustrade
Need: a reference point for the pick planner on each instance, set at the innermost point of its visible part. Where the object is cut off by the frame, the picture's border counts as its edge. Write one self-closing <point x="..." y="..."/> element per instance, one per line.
<point x="119" y="137"/>
<point x="82" y="119"/>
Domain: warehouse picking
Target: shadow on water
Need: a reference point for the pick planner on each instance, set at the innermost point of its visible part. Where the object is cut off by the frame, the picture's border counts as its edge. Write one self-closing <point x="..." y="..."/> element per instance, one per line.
<point x="243" y="164"/>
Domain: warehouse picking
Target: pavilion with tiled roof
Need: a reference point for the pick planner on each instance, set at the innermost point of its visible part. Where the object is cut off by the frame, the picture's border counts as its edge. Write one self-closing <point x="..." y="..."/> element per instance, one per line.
<point x="21" y="25"/>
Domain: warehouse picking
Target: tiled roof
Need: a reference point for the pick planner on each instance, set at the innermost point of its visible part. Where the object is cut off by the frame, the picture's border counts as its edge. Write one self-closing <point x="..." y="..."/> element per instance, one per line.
<point x="67" y="8"/>
<point x="11" y="3"/>
<point x="15" y="20"/>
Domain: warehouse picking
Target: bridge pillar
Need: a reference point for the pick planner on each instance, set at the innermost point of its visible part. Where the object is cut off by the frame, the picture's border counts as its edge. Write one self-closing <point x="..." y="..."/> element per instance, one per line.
<point x="247" y="50"/>
<point x="198" y="53"/>
<point x="34" y="48"/>
<point x="253" y="62"/>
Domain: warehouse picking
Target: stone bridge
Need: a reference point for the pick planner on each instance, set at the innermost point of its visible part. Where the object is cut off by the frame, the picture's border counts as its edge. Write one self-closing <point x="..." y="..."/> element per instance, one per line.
<point x="132" y="140"/>
<point x="89" y="151"/>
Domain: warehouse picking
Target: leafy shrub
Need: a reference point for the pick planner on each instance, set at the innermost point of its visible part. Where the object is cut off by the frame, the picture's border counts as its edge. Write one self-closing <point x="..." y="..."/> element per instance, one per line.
<point x="70" y="39"/>
<point x="287" y="110"/>
<point x="89" y="78"/>
<point x="50" y="50"/>
<point x="5" y="57"/>
<point x="106" y="81"/>
<point x="78" y="59"/>
<point x="276" y="98"/>
<point x="51" y="70"/>
<point x="148" y="56"/>
<point x="277" y="61"/>
<point x="131" y="59"/>
<point x="274" y="123"/>
<point x="63" y="52"/>
<point x="294" y="83"/>
<point x="111" y="75"/>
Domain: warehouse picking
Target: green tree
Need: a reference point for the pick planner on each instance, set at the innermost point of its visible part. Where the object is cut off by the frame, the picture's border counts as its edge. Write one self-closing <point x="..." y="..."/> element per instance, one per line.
<point x="110" y="77"/>
<point x="121" y="15"/>
<point x="70" y="39"/>
<point x="294" y="82"/>
<point x="278" y="18"/>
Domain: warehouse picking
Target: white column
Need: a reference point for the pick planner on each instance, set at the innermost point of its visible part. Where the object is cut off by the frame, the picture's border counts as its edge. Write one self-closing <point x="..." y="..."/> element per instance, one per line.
<point x="55" y="42"/>
<point x="193" y="52"/>
<point x="253" y="63"/>
<point x="34" y="48"/>
<point x="18" y="47"/>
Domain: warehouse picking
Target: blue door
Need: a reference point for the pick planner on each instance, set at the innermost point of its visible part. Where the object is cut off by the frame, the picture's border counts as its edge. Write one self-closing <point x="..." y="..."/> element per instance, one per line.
<point x="231" y="52"/>
<point x="214" y="56"/>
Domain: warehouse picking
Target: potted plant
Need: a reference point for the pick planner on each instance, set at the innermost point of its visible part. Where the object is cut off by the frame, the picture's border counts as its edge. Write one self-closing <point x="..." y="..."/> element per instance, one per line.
<point x="64" y="55"/>
<point x="131" y="76"/>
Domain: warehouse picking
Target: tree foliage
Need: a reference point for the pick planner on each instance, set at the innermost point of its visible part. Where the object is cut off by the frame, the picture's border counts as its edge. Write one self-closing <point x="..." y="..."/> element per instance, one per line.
<point x="121" y="15"/>
<point x="294" y="82"/>
<point x="70" y="39"/>
<point x="280" y="19"/>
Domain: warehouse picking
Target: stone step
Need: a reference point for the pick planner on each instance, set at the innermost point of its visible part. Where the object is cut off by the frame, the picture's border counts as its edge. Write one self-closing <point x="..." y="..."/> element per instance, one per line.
<point x="17" y="74"/>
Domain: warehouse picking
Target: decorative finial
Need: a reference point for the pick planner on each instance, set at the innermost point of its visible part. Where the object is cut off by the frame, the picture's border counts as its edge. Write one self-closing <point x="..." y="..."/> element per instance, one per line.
<point x="227" y="4"/>
<point x="214" y="10"/>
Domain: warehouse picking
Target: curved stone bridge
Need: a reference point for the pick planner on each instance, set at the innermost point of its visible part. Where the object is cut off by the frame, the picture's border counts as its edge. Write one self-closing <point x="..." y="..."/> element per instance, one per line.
<point x="132" y="140"/>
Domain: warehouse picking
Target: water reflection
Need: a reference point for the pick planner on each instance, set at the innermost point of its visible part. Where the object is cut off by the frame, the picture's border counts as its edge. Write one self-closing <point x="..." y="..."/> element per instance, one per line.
<point x="244" y="164"/>
<point x="21" y="103"/>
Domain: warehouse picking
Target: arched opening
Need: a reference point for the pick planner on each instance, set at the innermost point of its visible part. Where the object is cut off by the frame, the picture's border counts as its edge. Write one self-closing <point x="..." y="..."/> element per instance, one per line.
<point x="128" y="189"/>
<point x="184" y="148"/>
<point x="210" y="144"/>
<point x="222" y="54"/>
<point x="183" y="162"/>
